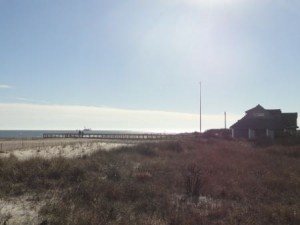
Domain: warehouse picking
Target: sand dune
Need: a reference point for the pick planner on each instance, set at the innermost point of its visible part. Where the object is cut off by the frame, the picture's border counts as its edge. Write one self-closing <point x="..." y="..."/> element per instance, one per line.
<point x="49" y="148"/>
<point x="24" y="209"/>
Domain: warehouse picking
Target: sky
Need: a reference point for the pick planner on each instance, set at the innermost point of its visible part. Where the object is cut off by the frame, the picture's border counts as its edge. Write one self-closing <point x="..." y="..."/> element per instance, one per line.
<point x="137" y="64"/>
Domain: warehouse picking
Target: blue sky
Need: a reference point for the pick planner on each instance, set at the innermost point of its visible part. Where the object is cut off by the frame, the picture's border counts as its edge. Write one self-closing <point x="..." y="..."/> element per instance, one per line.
<point x="137" y="64"/>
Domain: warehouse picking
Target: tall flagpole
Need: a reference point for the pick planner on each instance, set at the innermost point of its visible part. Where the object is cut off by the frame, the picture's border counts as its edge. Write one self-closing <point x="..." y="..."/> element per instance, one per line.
<point x="200" y="109"/>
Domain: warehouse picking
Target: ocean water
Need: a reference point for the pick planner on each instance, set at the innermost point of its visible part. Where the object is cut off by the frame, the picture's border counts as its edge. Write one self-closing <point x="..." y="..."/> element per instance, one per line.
<point x="39" y="133"/>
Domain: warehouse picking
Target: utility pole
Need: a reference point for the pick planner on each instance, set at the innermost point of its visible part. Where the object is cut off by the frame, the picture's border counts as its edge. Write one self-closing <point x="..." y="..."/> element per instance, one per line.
<point x="225" y="119"/>
<point x="200" y="109"/>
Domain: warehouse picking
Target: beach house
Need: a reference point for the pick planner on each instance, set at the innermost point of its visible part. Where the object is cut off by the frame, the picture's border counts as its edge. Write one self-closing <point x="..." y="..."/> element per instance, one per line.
<point x="260" y="122"/>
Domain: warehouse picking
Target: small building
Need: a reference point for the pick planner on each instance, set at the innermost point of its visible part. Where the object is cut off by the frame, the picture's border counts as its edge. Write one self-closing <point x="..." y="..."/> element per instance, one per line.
<point x="259" y="122"/>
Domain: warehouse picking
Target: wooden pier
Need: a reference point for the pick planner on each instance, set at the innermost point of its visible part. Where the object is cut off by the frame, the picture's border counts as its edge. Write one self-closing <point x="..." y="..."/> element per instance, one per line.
<point x="131" y="136"/>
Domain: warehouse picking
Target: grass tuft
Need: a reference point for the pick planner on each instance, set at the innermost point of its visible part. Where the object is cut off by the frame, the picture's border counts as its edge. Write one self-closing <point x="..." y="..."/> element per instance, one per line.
<point x="192" y="180"/>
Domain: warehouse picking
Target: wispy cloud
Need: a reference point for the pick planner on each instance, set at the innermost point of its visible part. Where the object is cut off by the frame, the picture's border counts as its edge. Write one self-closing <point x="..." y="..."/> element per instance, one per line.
<point x="30" y="100"/>
<point x="36" y="116"/>
<point x="4" y="86"/>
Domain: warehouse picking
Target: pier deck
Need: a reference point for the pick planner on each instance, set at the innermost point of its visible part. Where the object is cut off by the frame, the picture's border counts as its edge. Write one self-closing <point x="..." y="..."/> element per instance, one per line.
<point x="142" y="136"/>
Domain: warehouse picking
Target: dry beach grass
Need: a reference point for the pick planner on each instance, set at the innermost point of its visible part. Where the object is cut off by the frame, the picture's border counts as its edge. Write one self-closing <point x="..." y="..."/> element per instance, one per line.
<point x="49" y="148"/>
<point x="189" y="181"/>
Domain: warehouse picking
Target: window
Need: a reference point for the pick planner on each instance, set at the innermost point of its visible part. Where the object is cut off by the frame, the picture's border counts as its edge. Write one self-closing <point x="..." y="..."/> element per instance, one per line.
<point x="259" y="114"/>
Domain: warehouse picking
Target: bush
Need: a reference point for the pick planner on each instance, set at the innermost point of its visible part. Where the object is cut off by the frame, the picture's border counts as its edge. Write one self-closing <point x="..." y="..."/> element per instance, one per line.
<point x="263" y="142"/>
<point x="192" y="180"/>
<point x="173" y="146"/>
<point x="112" y="173"/>
<point x="146" y="150"/>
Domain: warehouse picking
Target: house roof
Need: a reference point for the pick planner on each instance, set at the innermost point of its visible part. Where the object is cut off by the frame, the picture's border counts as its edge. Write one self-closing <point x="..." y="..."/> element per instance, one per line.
<point x="274" y="119"/>
<point x="259" y="108"/>
<point x="274" y="112"/>
<point x="256" y="108"/>
<point x="258" y="123"/>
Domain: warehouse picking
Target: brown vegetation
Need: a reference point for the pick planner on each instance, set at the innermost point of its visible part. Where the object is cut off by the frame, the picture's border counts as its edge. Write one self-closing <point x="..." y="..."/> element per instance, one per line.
<point x="191" y="181"/>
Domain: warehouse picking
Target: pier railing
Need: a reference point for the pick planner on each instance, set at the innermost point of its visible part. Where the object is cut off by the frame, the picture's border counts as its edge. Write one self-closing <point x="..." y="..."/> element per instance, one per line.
<point x="142" y="136"/>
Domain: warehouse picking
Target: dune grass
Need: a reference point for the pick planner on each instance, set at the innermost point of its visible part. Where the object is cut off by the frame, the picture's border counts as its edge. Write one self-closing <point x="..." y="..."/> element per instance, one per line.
<point x="190" y="181"/>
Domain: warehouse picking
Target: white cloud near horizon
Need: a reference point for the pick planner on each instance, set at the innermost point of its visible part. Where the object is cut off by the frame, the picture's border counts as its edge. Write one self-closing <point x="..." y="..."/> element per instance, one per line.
<point x="56" y="117"/>
<point x="5" y="86"/>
